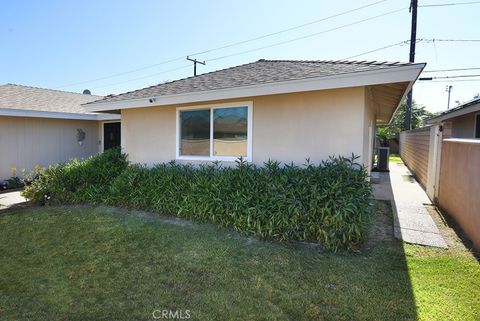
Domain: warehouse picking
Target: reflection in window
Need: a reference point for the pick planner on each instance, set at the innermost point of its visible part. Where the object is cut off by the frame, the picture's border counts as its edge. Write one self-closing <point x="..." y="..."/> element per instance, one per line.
<point x="230" y="131"/>
<point x="195" y="133"/>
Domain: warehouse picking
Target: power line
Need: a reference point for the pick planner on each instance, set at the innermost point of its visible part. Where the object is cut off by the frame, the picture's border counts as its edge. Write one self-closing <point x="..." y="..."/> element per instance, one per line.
<point x="451" y="77"/>
<point x="289" y="29"/>
<point x="123" y="73"/>
<point x="405" y="42"/>
<point x="401" y="43"/>
<point x="454" y="69"/>
<point x="225" y="46"/>
<point x="449" y="40"/>
<point x="307" y="36"/>
<point x="454" y="80"/>
<point x="449" y="4"/>
<point x="271" y="45"/>
<point x="144" y="77"/>
<point x="277" y="44"/>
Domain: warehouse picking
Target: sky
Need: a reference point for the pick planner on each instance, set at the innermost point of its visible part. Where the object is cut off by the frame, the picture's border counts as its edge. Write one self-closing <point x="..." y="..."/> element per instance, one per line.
<point x="75" y="45"/>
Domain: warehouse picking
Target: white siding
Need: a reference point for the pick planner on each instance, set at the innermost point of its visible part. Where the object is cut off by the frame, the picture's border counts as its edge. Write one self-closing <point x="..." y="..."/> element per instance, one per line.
<point x="25" y="142"/>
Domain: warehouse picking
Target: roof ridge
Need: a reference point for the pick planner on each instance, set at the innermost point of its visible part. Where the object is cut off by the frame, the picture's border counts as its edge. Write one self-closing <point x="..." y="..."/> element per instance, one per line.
<point x="49" y="89"/>
<point x="173" y="81"/>
<point x="344" y="61"/>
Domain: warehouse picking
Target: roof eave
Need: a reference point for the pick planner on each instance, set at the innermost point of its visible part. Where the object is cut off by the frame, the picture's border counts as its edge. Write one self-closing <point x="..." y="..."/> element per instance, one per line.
<point x="407" y="90"/>
<point x="15" y="112"/>
<point x="456" y="113"/>
<point x="385" y="75"/>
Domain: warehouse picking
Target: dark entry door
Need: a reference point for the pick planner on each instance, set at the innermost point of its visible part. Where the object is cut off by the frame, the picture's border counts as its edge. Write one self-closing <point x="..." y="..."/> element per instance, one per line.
<point x="111" y="135"/>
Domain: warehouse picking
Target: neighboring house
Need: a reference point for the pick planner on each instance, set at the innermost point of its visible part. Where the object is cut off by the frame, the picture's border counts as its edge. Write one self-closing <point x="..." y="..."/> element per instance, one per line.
<point x="462" y="121"/>
<point x="270" y="109"/>
<point x="43" y="127"/>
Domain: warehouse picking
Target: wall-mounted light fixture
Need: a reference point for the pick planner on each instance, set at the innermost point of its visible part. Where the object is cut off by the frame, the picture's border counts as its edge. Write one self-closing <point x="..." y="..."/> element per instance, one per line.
<point x="80" y="136"/>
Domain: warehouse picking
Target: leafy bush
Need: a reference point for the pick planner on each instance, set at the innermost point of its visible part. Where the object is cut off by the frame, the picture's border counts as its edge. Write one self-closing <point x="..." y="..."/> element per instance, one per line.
<point x="14" y="182"/>
<point x="327" y="203"/>
<point x="77" y="181"/>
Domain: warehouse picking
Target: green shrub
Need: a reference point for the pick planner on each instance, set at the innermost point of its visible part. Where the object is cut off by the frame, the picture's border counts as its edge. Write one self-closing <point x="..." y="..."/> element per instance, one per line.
<point x="327" y="203"/>
<point x="14" y="182"/>
<point x="77" y="181"/>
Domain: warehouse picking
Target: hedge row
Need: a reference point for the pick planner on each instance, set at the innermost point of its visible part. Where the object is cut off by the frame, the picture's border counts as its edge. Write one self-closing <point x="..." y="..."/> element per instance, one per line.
<point x="327" y="203"/>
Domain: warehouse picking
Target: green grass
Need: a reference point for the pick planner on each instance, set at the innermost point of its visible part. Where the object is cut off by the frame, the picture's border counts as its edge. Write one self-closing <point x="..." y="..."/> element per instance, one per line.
<point x="91" y="263"/>
<point x="395" y="158"/>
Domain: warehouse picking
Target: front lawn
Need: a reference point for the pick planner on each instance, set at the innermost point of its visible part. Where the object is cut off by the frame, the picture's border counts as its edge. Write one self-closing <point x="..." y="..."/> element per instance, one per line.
<point x="395" y="158"/>
<point x="97" y="263"/>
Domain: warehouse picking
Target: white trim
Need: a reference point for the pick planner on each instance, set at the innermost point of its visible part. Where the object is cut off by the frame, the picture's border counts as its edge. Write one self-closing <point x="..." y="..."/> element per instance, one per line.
<point x="211" y="107"/>
<point x="475" y="116"/>
<point x="57" y="115"/>
<point x="364" y="78"/>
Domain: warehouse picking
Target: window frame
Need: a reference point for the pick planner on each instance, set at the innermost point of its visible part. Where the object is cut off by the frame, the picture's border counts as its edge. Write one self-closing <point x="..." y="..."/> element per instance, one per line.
<point x="476" y="116"/>
<point x="212" y="107"/>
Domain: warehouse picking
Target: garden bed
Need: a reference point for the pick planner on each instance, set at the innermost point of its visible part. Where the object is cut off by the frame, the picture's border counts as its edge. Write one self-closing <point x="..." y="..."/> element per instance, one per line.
<point x="327" y="203"/>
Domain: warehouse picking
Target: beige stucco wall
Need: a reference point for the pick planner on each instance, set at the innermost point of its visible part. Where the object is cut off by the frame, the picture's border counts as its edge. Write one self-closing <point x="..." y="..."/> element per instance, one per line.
<point x="459" y="185"/>
<point x="26" y="141"/>
<point x="288" y="127"/>
<point x="369" y="129"/>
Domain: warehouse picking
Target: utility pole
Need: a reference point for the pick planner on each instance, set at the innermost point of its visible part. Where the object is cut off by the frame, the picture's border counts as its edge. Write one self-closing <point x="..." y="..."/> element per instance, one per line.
<point x="449" y="90"/>
<point x="195" y="61"/>
<point x="413" y="40"/>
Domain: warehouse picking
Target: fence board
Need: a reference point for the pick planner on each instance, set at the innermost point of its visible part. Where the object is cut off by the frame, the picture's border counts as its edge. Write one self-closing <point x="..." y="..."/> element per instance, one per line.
<point x="414" y="151"/>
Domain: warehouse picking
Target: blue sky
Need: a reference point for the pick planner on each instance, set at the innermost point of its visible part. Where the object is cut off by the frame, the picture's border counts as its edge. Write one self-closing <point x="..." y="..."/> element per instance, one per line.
<point x="54" y="44"/>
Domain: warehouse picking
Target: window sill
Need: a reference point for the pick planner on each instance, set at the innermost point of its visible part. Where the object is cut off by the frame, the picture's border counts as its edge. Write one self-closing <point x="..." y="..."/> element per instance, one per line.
<point x="211" y="159"/>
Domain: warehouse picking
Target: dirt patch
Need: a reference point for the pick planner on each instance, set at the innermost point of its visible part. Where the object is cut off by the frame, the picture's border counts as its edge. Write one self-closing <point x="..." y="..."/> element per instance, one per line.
<point x="382" y="228"/>
<point x="452" y="233"/>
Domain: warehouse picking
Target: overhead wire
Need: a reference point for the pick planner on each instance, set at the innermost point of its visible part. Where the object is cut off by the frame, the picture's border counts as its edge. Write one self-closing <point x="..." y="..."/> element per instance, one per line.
<point x="307" y="36"/>
<point x="448" y="4"/>
<point x="268" y="46"/>
<point x="225" y="46"/>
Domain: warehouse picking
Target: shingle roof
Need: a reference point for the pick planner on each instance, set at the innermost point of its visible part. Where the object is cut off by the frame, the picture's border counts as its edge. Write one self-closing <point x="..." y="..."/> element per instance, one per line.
<point x="255" y="73"/>
<point x="451" y="113"/>
<point x="14" y="96"/>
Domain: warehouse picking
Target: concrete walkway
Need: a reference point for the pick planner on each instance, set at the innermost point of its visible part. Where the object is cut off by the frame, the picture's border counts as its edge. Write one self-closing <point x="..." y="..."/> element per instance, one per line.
<point x="10" y="199"/>
<point x="411" y="221"/>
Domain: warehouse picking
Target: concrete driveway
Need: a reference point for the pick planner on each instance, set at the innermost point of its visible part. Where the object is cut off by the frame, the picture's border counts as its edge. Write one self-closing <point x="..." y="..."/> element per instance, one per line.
<point x="10" y="199"/>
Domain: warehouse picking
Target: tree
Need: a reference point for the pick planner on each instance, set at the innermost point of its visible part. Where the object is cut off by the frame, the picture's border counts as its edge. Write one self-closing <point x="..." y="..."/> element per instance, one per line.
<point x="391" y="131"/>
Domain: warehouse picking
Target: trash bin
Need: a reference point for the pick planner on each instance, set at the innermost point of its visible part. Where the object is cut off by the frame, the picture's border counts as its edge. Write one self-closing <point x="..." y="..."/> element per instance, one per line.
<point x="383" y="154"/>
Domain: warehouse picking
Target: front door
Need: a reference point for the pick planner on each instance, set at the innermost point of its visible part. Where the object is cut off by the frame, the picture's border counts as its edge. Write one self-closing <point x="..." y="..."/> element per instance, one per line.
<point x="111" y="135"/>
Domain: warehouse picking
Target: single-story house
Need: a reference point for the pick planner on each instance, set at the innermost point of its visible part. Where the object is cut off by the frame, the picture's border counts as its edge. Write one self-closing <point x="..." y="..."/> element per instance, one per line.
<point x="462" y="121"/>
<point x="43" y="127"/>
<point x="270" y="109"/>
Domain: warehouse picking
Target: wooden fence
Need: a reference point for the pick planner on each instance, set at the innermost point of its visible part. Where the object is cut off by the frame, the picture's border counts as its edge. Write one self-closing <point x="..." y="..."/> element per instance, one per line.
<point x="414" y="150"/>
<point x="459" y="190"/>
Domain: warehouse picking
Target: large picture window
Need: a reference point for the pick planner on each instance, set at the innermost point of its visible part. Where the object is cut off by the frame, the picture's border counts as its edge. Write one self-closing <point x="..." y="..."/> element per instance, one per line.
<point x="195" y="132"/>
<point x="220" y="132"/>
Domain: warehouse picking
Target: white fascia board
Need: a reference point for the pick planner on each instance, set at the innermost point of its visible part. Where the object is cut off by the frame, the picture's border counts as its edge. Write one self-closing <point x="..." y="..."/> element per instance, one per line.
<point x="108" y="117"/>
<point x="55" y="115"/>
<point x="364" y="78"/>
<point x="457" y="113"/>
